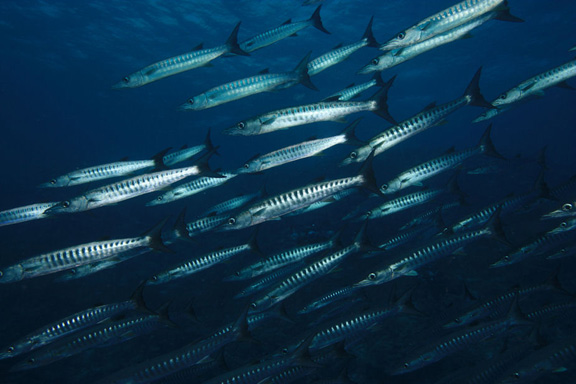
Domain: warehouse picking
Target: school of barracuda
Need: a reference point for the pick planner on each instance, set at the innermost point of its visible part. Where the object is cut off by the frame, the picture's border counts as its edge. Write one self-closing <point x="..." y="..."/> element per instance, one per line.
<point x="340" y="324"/>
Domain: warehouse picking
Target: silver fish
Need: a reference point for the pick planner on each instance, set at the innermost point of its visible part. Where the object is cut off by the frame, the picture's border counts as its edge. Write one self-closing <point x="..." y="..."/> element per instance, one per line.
<point x="268" y="280"/>
<point x="429" y="117"/>
<point x="312" y="113"/>
<point x="300" y="151"/>
<point x="567" y="210"/>
<point x="191" y="188"/>
<point x="323" y="203"/>
<point x="177" y="64"/>
<point x="263" y="82"/>
<point x="328" y="299"/>
<point x="341" y="53"/>
<point x="124" y="190"/>
<point x="26" y="213"/>
<point x="445" y="20"/>
<point x="106" y="171"/>
<point x="234" y="203"/>
<point x="183" y="230"/>
<point x="353" y="91"/>
<point x="424" y="171"/>
<point x="401" y="203"/>
<point x="72" y="257"/>
<point x="186" y="152"/>
<point x="287" y="29"/>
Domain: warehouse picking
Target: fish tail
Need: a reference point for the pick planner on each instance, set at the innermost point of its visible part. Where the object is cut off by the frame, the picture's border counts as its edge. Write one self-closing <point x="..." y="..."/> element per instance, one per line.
<point x="301" y="72"/>
<point x="494" y="225"/>
<point x="473" y="92"/>
<point x="362" y="240"/>
<point x="179" y="228"/>
<point x="454" y="188"/>
<point x="369" y="35"/>
<point x="155" y="238"/>
<point x="381" y="99"/>
<point x="486" y="145"/>
<point x="378" y="78"/>
<point x="232" y="42"/>
<point x="159" y="160"/>
<point x="138" y="299"/>
<point x="503" y="14"/>
<point x="163" y="315"/>
<point x="541" y="188"/>
<point x="253" y="244"/>
<point x="350" y="134"/>
<point x="317" y="21"/>
<point x="367" y="173"/>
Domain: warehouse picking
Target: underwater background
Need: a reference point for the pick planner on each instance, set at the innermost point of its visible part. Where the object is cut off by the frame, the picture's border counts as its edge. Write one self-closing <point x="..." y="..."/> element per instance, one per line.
<point x="58" y="112"/>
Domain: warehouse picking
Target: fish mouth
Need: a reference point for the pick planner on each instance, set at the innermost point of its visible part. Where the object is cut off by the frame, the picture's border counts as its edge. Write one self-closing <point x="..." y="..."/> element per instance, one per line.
<point x="232" y="131"/>
<point x="365" y="70"/>
<point x="120" y="85"/>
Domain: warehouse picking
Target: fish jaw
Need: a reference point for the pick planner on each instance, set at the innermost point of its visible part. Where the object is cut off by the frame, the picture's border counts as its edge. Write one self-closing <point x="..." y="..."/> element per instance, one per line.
<point x="76" y="204"/>
<point x="244" y="128"/>
<point x="134" y="80"/>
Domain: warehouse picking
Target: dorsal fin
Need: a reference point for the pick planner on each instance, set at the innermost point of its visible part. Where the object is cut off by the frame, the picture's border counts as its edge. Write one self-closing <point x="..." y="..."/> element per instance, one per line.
<point x="450" y="150"/>
<point x="264" y="71"/>
<point x="340" y="45"/>
<point x="289" y="21"/>
<point x="429" y="107"/>
<point x="198" y="47"/>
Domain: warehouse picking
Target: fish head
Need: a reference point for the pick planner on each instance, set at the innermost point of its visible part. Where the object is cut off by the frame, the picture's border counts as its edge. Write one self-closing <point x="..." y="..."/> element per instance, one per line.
<point x="391" y="187"/>
<point x="379" y="63"/>
<point x="564" y="226"/>
<point x="241" y="220"/>
<point x="159" y="278"/>
<point x="261" y="304"/>
<point x="195" y="103"/>
<point x="509" y="97"/>
<point x="131" y="81"/>
<point x="412" y="365"/>
<point x="76" y="204"/>
<point x="488" y="114"/>
<point x="60" y="181"/>
<point x="373" y="278"/>
<point x="404" y="38"/>
<point x="565" y="211"/>
<point x="357" y="155"/>
<point x="245" y="128"/>
<point x="515" y="256"/>
<point x="18" y="348"/>
<point x="162" y="199"/>
<point x="251" y="166"/>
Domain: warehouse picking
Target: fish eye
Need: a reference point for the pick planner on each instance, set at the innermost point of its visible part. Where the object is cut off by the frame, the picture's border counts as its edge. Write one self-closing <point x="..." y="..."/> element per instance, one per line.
<point x="384" y="187"/>
<point x="10" y="349"/>
<point x="406" y="365"/>
<point x="401" y="35"/>
<point x="353" y="155"/>
<point x="457" y="320"/>
<point x="53" y="181"/>
<point x="285" y="350"/>
<point x="516" y="375"/>
<point x="231" y="221"/>
<point x="126" y="79"/>
<point x="503" y="96"/>
<point x="372" y="276"/>
<point x="375" y="61"/>
<point x="73" y="271"/>
<point x="65" y="204"/>
<point x="506" y="258"/>
<point x="241" y="125"/>
<point x="190" y="101"/>
<point x="253" y="305"/>
<point x="155" y="278"/>
<point x="563" y="224"/>
<point x="160" y="198"/>
<point x="246" y="165"/>
<point x="567" y="207"/>
<point x="31" y="360"/>
<point x="1" y="273"/>
<point x="237" y="273"/>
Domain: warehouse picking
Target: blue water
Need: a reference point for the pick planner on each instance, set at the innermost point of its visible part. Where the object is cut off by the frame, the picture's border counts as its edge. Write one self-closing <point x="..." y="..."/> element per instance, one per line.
<point x="59" y="59"/>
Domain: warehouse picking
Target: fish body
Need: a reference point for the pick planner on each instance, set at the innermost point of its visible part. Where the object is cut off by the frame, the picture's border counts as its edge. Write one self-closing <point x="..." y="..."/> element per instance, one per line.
<point x="287" y="29"/>
<point x="178" y="64"/>
<point x="312" y="113"/>
<point x="443" y="21"/>
<point x="566" y="211"/>
<point x="328" y="299"/>
<point x="403" y="202"/>
<point x="26" y="213"/>
<point x="124" y="190"/>
<point x="430" y="216"/>
<point x="186" y="153"/>
<point x="234" y="203"/>
<point x="352" y="90"/>
<point x="323" y="203"/>
<point x="193" y="187"/>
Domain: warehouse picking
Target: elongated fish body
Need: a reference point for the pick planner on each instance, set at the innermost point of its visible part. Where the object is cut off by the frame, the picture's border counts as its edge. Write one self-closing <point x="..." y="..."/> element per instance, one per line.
<point x="490" y="113"/>
<point x="191" y="188"/>
<point x="403" y="238"/>
<point x="68" y="325"/>
<point x="403" y="202"/>
<point x="287" y="29"/>
<point x="205" y="224"/>
<point x="182" y="155"/>
<point x="443" y="21"/>
<point x="282" y="259"/>
<point x="549" y="360"/>
<point x="177" y="64"/>
<point x="102" y="336"/>
<point x="312" y="113"/>
<point x="400" y="55"/>
<point x="68" y="258"/>
<point x="100" y="172"/>
<point x="566" y="211"/>
<point x="234" y="203"/>
<point x="537" y="84"/>
<point x="26" y="213"/>
<point x="551" y="310"/>
<point x="298" y="151"/>
<point x="352" y="91"/>
<point x="328" y="299"/>
<point x="430" y="216"/>
<point x="175" y="361"/>
<point x="455" y="342"/>
<point x="303" y="277"/>
<point x="422" y="256"/>
<point x="564" y="251"/>
<point x="289" y="375"/>
<point x="199" y="264"/>
<point x="323" y="203"/>
<point x="268" y="280"/>
<point x="280" y="205"/>
<point x="124" y="190"/>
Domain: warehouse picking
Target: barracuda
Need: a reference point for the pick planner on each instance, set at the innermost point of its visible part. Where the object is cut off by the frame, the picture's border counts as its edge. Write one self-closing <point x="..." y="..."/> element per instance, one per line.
<point x="123" y="190"/>
<point x="447" y="19"/>
<point x="186" y="153"/>
<point x="264" y="82"/>
<point x="204" y="262"/>
<point x="300" y="151"/>
<point x="106" y="171"/>
<point x="183" y="230"/>
<point x="287" y="29"/>
<point x="430" y="216"/>
<point x="73" y="323"/>
<point x="233" y="203"/>
<point x="268" y="280"/>
<point x="174" y="65"/>
<point x="321" y="204"/>
<point x="424" y="171"/>
<point x="328" y="299"/>
<point x="312" y="113"/>
<point x="408" y="265"/>
<point x="431" y="116"/>
<point x="72" y="257"/>
<point x="280" y="205"/>
<point x="400" y="55"/>
<point x="353" y="91"/>
<point x="401" y="203"/>
<point x="567" y="210"/>
<point x="26" y="213"/>
<point x="282" y="259"/>
<point x="191" y="188"/>
<point x="342" y="53"/>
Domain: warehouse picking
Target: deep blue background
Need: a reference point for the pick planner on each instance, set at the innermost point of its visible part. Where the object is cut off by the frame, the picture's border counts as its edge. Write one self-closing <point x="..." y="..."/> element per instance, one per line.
<point x="58" y="60"/>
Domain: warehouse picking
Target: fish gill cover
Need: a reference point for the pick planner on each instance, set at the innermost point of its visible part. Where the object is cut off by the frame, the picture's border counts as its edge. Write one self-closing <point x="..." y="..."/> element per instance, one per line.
<point x="181" y="177"/>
